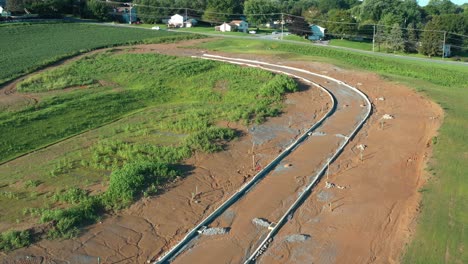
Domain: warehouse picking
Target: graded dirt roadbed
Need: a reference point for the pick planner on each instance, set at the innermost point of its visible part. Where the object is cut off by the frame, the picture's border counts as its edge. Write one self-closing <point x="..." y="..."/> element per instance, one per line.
<point x="273" y="195"/>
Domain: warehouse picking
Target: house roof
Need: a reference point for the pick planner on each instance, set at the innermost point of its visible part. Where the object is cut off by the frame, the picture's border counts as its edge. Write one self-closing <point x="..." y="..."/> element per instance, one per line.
<point x="321" y="28"/>
<point x="237" y="21"/>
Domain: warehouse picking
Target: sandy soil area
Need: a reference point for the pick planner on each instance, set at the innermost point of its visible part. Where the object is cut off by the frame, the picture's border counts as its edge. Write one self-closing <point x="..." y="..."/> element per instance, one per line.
<point x="369" y="221"/>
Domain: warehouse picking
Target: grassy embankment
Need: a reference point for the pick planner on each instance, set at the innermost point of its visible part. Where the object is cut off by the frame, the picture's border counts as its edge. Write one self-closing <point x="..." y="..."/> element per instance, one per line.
<point x="441" y="235"/>
<point x="167" y="109"/>
<point x="351" y="44"/>
<point x="26" y="48"/>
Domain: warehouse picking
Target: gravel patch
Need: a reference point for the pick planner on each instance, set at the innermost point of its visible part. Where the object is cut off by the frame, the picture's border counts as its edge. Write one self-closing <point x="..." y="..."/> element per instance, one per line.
<point x="297" y="238"/>
<point x="215" y="231"/>
<point x="324" y="196"/>
<point x="261" y="222"/>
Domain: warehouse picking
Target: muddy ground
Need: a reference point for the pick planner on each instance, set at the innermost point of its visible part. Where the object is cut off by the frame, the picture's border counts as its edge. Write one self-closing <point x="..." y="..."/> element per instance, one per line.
<point x="368" y="222"/>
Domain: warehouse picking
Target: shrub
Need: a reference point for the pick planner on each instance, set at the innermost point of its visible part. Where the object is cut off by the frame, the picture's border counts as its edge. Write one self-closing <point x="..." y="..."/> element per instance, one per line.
<point x="210" y="140"/>
<point x="67" y="221"/>
<point x="15" y="239"/>
<point x="73" y="195"/>
<point x="129" y="182"/>
<point x="32" y="183"/>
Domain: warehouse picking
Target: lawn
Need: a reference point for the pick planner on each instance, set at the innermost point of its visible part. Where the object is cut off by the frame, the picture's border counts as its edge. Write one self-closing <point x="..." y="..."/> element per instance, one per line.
<point x="441" y="236"/>
<point x="296" y="38"/>
<point x="27" y="47"/>
<point x="139" y="121"/>
<point x="351" y="44"/>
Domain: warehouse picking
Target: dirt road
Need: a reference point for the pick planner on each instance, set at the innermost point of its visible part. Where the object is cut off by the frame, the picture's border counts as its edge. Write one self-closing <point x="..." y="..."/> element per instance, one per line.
<point x="271" y="198"/>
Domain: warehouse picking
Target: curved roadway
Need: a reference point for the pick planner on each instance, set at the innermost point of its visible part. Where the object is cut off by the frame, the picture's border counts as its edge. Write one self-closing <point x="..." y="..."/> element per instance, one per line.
<point x="278" y="190"/>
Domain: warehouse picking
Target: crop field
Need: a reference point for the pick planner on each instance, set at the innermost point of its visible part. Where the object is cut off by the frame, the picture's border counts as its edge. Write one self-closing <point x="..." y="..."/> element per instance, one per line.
<point x="29" y="47"/>
<point x="140" y="121"/>
<point x="441" y="226"/>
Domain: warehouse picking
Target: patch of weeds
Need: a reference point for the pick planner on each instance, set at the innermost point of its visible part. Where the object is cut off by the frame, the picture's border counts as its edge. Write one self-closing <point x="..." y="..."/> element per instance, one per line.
<point x="63" y="166"/>
<point x="32" y="183"/>
<point x="72" y="195"/>
<point x="68" y="221"/>
<point x="132" y="180"/>
<point x="210" y="140"/>
<point x="11" y="240"/>
<point x="10" y="195"/>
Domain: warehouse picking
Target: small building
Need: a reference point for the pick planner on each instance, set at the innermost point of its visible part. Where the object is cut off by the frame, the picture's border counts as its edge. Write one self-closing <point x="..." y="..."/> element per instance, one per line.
<point x="176" y="21"/>
<point x="191" y="22"/>
<point x="225" y="27"/>
<point x="241" y="25"/>
<point x="318" y="32"/>
<point x="447" y="50"/>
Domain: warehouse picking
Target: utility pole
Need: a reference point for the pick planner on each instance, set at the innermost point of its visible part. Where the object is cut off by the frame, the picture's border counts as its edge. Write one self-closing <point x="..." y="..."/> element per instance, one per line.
<point x="443" y="45"/>
<point x="282" y="25"/>
<point x="186" y="14"/>
<point x="130" y="15"/>
<point x="373" y="40"/>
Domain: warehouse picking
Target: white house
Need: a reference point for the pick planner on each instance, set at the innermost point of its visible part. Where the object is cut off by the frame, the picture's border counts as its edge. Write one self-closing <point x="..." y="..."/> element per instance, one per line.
<point x="224" y="27"/>
<point x="241" y="25"/>
<point x="176" y="21"/>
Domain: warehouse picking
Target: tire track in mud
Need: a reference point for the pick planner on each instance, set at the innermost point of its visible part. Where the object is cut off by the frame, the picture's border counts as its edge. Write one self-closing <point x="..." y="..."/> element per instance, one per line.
<point x="193" y="242"/>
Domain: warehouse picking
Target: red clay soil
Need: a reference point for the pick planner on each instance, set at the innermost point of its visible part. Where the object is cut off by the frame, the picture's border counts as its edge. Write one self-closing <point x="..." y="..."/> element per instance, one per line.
<point x="369" y="222"/>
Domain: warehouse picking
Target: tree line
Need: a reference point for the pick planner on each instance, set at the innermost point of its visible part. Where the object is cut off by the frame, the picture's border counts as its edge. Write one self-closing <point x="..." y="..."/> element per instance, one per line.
<point x="402" y="25"/>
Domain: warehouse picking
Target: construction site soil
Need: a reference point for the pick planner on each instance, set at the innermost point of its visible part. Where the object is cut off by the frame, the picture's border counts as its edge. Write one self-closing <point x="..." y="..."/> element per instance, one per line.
<point x="368" y="221"/>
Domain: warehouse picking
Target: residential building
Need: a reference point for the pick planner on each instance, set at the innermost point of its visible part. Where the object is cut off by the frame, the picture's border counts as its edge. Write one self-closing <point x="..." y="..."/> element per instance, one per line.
<point x="225" y="27"/>
<point x="176" y="21"/>
<point x="241" y="25"/>
<point x="318" y="32"/>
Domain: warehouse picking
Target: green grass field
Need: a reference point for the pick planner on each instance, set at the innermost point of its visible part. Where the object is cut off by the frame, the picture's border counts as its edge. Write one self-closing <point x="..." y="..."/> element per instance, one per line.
<point x="28" y="47"/>
<point x="351" y="44"/>
<point x="143" y="113"/>
<point x="441" y="235"/>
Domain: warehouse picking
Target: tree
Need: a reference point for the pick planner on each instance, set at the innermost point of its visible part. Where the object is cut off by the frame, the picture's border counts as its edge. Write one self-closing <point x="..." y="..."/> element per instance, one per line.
<point x="410" y="12"/>
<point x="261" y="11"/>
<point x="395" y="40"/>
<point x="218" y="11"/>
<point x="311" y="14"/>
<point x="15" y="5"/>
<point x="439" y="7"/>
<point x="412" y="39"/>
<point x="341" y="23"/>
<point x="327" y="5"/>
<point x="50" y="8"/>
<point x="455" y="23"/>
<point x="431" y="39"/>
<point x="389" y="20"/>
<point x="98" y="9"/>
<point x="374" y="9"/>
<point x="379" y="36"/>
<point x="149" y="14"/>
<point x="299" y="27"/>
